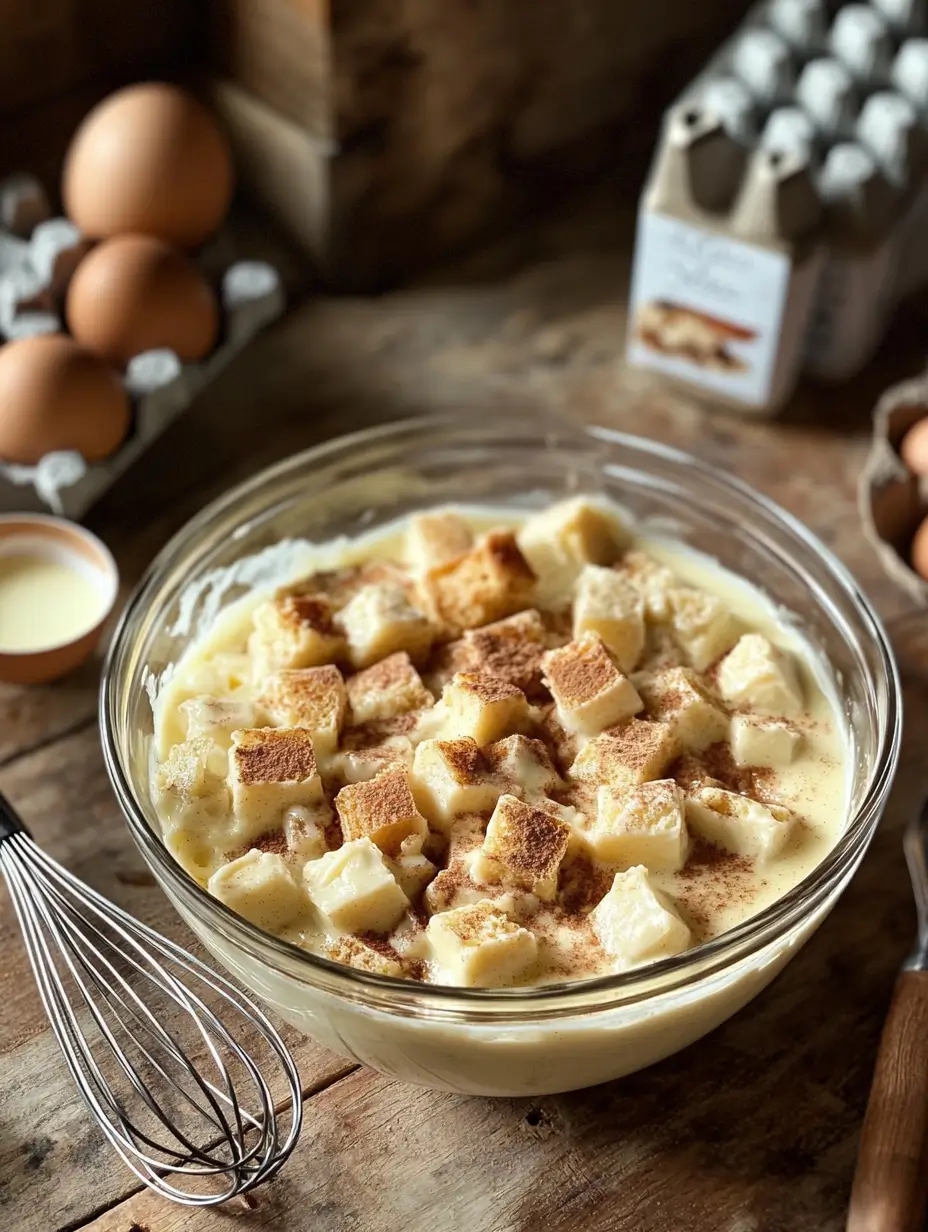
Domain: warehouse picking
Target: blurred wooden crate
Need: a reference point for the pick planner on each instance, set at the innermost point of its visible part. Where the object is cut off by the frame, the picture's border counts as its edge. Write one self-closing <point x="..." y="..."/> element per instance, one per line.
<point x="381" y="135"/>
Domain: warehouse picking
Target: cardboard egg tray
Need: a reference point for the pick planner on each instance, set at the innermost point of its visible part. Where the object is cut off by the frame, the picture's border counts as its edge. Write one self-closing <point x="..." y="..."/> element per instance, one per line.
<point x="893" y="501"/>
<point x="38" y="254"/>
<point x="786" y="212"/>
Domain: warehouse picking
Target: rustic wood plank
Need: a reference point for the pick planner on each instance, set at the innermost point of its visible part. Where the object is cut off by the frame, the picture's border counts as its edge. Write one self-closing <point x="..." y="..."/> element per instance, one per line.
<point x="279" y="51"/>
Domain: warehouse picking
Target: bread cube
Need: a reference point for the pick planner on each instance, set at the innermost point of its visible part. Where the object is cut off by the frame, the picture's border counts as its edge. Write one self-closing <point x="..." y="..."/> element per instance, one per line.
<point x="757" y="741"/>
<point x="451" y="777"/>
<point x="644" y="825"/>
<point x="702" y="626"/>
<point x="510" y="649"/>
<point x="759" y="676"/>
<point x="636" y="922"/>
<point x="589" y="691"/>
<point x="478" y="946"/>
<point x="739" y="824"/>
<point x="308" y="697"/>
<point x="651" y="580"/>
<point x="387" y="689"/>
<point x="354" y="888"/>
<point x="559" y="541"/>
<point x="304" y="833"/>
<point x="271" y="769"/>
<point x="678" y="697"/>
<point x="490" y="581"/>
<point x="524" y="765"/>
<point x="260" y="887"/>
<point x="294" y="629"/>
<point x="357" y="765"/>
<point x="435" y="539"/>
<point x="523" y="848"/>
<point x="379" y="621"/>
<point x="216" y="717"/>
<point x="627" y="756"/>
<point x="193" y="769"/>
<point x="413" y="872"/>
<point x="381" y="809"/>
<point x="481" y="708"/>
<point x="354" y="952"/>
<point x="606" y="605"/>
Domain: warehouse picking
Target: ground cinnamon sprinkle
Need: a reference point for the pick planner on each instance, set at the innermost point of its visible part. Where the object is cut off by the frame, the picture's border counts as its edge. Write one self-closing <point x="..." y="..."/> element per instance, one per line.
<point x="271" y="841"/>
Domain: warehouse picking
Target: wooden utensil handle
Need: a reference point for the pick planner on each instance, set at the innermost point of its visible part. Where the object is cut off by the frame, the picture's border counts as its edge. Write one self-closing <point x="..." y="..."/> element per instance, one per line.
<point x="890" y="1190"/>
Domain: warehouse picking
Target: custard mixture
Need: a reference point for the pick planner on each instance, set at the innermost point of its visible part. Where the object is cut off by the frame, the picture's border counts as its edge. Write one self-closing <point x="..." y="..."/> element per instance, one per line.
<point x="490" y="753"/>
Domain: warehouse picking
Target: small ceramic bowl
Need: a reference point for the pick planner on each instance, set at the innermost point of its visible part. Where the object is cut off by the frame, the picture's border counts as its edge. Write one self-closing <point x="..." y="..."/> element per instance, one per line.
<point x="893" y="501"/>
<point x="40" y="536"/>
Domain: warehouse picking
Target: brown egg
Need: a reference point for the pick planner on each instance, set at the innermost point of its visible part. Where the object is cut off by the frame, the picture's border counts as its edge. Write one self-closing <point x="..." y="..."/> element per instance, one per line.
<point x="920" y="550"/>
<point x="148" y="159"/>
<point x="134" y="293"/>
<point x="914" y="448"/>
<point x="54" y="394"/>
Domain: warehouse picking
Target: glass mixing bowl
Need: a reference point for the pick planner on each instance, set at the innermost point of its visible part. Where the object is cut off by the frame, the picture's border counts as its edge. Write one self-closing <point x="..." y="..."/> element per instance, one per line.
<point x="516" y="1041"/>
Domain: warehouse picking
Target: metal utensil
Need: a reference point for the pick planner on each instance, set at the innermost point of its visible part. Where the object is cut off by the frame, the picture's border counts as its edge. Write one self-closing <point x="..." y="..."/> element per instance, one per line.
<point x="194" y="1120"/>
<point x="890" y="1192"/>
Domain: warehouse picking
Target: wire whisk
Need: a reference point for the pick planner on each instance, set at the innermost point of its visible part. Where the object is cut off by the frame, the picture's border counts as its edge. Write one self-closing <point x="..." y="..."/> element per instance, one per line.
<point x="197" y="1121"/>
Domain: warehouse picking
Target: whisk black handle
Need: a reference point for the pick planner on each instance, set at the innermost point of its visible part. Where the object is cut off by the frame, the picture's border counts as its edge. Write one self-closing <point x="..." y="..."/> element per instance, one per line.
<point x="10" y="821"/>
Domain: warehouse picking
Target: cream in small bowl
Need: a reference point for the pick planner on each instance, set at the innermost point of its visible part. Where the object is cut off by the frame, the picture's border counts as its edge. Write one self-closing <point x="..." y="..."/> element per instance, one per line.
<point x="58" y="584"/>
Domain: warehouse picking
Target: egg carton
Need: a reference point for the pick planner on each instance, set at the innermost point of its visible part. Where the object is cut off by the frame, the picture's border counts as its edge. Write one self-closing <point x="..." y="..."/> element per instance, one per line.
<point x="38" y="255"/>
<point x="786" y="213"/>
<point x="894" y="502"/>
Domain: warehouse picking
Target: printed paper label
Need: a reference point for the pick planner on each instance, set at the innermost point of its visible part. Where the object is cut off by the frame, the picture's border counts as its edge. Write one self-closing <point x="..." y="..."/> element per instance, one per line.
<point x="707" y="308"/>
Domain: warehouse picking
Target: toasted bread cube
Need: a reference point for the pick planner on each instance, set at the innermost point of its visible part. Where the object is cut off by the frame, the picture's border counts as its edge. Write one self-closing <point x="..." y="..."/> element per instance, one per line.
<point x="636" y="923"/>
<point x="606" y="605"/>
<point x="478" y="946"/>
<point x="562" y="539"/>
<point x="271" y="769"/>
<point x="653" y="582"/>
<point x="588" y="689"/>
<point x="511" y="649"/>
<point x="381" y="809"/>
<point x="193" y="769"/>
<point x="523" y="848"/>
<point x="765" y="742"/>
<point x="644" y="825"/>
<point x="702" y="626"/>
<point x="759" y="676"/>
<point x="304" y="833"/>
<point x="216" y="717"/>
<point x="358" y="765"/>
<point x="678" y="697"/>
<point x="308" y="697"/>
<point x="638" y="752"/>
<point x="739" y="824"/>
<point x="451" y="777"/>
<point x="482" y="708"/>
<point x="379" y="621"/>
<point x="524" y="765"/>
<point x="490" y="581"/>
<point x="354" y="888"/>
<point x="387" y="689"/>
<point x="260" y="887"/>
<point x="354" y="952"/>
<point x="413" y="872"/>
<point x="294" y="629"/>
<point x="435" y="539"/>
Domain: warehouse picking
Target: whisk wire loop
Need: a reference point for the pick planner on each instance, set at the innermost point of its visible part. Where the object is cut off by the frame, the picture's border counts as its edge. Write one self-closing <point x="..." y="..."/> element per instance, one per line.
<point x="155" y="1097"/>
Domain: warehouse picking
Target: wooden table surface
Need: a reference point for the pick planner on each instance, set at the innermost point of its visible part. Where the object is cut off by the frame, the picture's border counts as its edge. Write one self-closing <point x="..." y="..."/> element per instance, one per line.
<point x="753" y="1129"/>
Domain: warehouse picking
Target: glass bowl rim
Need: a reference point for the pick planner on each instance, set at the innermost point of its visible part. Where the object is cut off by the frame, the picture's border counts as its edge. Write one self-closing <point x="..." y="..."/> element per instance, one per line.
<point x="771" y="924"/>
